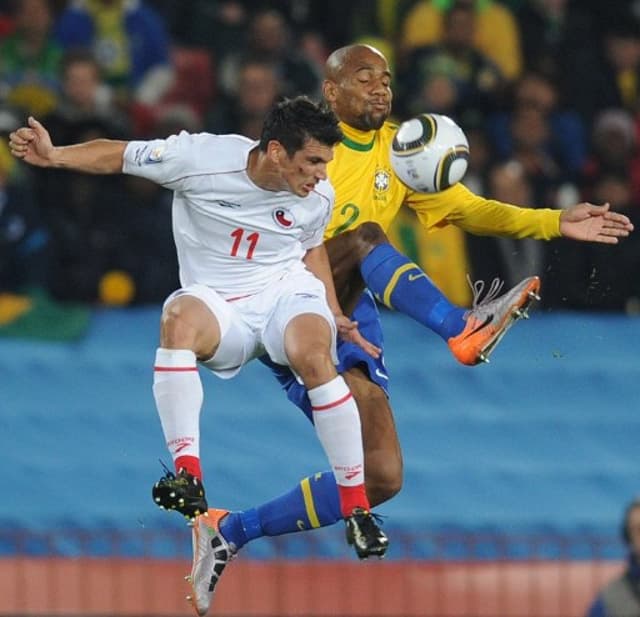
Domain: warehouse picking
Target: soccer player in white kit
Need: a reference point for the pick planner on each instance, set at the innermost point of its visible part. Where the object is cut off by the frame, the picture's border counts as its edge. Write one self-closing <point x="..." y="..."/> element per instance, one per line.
<point x="248" y="223"/>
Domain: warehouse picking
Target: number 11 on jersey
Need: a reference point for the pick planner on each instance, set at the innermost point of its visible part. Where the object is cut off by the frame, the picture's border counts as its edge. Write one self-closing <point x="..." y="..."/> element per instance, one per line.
<point x="252" y="240"/>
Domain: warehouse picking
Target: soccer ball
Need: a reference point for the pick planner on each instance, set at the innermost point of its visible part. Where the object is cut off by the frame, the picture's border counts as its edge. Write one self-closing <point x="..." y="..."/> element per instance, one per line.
<point x="429" y="153"/>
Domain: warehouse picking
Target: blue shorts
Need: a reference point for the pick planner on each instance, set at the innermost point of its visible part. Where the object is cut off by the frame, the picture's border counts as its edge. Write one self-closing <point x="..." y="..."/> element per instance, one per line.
<point x="349" y="355"/>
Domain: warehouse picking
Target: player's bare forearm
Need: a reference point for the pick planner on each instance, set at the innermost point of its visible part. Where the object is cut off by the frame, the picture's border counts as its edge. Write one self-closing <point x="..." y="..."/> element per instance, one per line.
<point x="100" y="156"/>
<point x="317" y="261"/>
<point x="344" y="257"/>
<point x="33" y="145"/>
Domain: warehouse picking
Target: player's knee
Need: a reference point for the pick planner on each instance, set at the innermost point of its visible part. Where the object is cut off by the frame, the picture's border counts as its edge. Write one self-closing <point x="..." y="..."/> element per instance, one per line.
<point x="367" y="237"/>
<point x="176" y="332"/>
<point x="313" y="363"/>
<point x="187" y="323"/>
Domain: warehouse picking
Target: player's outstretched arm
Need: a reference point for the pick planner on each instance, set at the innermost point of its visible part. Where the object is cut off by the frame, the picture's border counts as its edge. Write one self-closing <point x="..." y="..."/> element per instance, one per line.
<point x="33" y="145"/>
<point x="591" y="223"/>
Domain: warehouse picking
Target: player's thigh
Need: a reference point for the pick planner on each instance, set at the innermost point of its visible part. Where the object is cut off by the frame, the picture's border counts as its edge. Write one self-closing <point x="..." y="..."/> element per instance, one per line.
<point x="301" y="295"/>
<point x="229" y="342"/>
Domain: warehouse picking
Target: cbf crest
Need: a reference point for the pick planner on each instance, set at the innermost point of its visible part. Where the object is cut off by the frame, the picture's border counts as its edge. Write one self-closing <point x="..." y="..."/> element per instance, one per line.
<point x="381" y="180"/>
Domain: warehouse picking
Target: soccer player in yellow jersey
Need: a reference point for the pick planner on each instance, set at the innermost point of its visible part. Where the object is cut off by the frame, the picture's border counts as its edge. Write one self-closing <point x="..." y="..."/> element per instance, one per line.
<point x="368" y="196"/>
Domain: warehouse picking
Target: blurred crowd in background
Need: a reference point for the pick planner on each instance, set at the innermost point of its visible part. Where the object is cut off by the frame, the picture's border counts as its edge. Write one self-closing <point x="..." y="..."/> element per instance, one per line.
<point x="547" y="91"/>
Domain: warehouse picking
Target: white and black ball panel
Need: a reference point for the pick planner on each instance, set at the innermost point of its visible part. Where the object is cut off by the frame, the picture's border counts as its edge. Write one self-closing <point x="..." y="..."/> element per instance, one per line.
<point x="429" y="153"/>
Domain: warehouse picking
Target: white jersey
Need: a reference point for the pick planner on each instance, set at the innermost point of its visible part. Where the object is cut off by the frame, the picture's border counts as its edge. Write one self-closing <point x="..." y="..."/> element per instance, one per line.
<point x="230" y="234"/>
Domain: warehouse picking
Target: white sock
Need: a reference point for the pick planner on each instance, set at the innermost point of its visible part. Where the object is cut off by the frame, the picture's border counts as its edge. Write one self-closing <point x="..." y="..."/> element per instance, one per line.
<point x="337" y="423"/>
<point x="178" y="393"/>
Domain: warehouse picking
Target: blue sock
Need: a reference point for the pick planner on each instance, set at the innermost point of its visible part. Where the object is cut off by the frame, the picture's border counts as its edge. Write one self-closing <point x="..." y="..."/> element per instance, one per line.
<point x="313" y="503"/>
<point x="401" y="284"/>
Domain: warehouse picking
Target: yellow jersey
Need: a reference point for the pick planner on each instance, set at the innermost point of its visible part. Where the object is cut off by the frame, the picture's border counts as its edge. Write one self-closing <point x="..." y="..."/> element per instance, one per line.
<point x="368" y="190"/>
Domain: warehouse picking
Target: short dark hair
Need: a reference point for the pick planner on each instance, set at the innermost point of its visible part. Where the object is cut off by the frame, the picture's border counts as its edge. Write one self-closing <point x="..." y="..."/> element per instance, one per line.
<point x="294" y="121"/>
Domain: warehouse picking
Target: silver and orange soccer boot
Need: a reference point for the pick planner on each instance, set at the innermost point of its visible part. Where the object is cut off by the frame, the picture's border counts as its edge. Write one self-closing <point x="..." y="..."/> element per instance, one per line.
<point x="211" y="554"/>
<point x="489" y="319"/>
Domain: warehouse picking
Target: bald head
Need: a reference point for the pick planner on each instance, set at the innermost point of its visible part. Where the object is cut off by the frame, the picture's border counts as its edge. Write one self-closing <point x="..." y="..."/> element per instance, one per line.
<point x="343" y="60"/>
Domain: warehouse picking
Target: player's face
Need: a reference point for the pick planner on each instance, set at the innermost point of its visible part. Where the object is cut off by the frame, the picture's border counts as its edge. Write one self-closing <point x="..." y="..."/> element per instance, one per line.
<point x="306" y="167"/>
<point x="362" y="95"/>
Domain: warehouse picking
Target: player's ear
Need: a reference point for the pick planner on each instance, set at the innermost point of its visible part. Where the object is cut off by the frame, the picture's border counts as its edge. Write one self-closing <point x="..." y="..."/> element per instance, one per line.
<point x="329" y="90"/>
<point x="275" y="151"/>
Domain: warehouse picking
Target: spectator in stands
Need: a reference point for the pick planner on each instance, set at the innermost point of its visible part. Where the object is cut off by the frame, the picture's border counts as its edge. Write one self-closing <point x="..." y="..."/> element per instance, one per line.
<point x="614" y="149"/>
<point x="565" y="141"/>
<point x="129" y="41"/>
<point x="437" y="92"/>
<point x="193" y="24"/>
<point x="258" y="88"/>
<point x="194" y="80"/>
<point x="175" y="117"/>
<point x="313" y="46"/>
<point x="558" y="36"/>
<point x="376" y="23"/>
<point x="475" y="82"/>
<point x="496" y="36"/>
<point x="613" y="80"/>
<point x="621" y="597"/>
<point x="270" y="40"/>
<point x="532" y="134"/>
<point x="85" y="99"/>
<point x="30" y="60"/>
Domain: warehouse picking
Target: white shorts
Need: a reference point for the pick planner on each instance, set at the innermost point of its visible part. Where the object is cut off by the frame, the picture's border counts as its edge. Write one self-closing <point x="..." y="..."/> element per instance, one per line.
<point x="255" y="324"/>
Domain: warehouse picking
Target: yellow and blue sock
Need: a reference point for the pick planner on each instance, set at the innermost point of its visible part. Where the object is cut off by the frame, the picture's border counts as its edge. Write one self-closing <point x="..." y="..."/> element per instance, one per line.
<point x="313" y="503"/>
<point x="400" y="284"/>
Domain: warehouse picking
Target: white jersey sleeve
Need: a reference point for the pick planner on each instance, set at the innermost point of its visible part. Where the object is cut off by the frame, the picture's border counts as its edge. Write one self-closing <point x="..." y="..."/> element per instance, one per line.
<point x="174" y="161"/>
